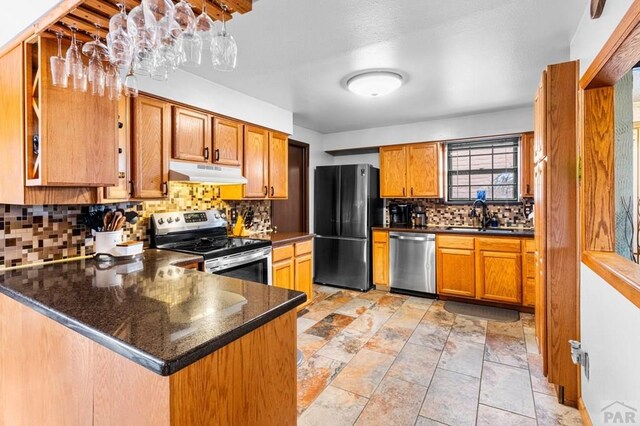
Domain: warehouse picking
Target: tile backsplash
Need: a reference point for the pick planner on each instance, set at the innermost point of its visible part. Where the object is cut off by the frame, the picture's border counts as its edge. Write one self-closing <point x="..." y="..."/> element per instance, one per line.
<point x="440" y="213"/>
<point x="31" y="234"/>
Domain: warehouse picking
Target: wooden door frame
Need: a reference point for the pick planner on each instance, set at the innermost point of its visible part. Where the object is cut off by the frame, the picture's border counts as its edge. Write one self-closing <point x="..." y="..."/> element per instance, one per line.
<point x="305" y="182"/>
<point x="597" y="138"/>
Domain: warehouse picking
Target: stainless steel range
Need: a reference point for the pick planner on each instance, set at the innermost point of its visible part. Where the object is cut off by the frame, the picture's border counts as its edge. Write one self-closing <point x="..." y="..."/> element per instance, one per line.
<point x="205" y="233"/>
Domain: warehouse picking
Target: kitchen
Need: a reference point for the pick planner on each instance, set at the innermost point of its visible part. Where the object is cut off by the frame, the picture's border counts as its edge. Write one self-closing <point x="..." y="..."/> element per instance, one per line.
<point x="186" y="187"/>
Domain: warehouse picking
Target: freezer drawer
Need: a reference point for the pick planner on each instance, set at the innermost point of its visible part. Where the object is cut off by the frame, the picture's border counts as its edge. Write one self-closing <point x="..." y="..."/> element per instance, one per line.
<point x="412" y="262"/>
<point x="342" y="262"/>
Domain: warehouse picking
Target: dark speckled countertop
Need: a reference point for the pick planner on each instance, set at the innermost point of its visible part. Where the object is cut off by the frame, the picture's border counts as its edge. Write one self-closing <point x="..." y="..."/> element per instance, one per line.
<point x="284" y="238"/>
<point x="152" y="312"/>
<point x="502" y="232"/>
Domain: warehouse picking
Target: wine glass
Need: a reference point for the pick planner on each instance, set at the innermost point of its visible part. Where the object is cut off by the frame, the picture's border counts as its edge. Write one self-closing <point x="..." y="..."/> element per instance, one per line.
<point x="191" y="47"/>
<point x="96" y="47"/>
<point x="96" y="74"/>
<point x="113" y="83"/>
<point x="204" y="24"/>
<point x="59" y="75"/>
<point x="131" y="84"/>
<point x="224" y="49"/>
<point x="157" y="12"/>
<point x="73" y="62"/>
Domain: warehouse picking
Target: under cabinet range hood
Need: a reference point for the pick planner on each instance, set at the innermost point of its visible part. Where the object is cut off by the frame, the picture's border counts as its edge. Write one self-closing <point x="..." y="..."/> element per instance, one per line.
<point x="205" y="173"/>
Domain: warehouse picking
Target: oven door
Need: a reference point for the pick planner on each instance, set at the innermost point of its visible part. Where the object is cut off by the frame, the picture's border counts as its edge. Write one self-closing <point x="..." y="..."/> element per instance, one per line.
<point x="253" y="265"/>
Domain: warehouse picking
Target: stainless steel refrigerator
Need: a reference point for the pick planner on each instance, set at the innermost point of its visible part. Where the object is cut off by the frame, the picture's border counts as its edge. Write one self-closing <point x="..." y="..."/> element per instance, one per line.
<point x="347" y="205"/>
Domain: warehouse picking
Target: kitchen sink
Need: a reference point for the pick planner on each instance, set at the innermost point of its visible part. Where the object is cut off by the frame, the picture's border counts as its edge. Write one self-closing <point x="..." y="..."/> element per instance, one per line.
<point x="462" y="228"/>
<point x="469" y="229"/>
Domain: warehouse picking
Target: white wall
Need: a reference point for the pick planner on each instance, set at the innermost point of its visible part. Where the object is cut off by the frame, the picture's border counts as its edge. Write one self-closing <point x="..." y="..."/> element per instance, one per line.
<point x="317" y="157"/>
<point x="610" y="333"/>
<point x="190" y="89"/>
<point x="371" y="158"/>
<point x="493" y="123"/>
<point x="592" y="34"/>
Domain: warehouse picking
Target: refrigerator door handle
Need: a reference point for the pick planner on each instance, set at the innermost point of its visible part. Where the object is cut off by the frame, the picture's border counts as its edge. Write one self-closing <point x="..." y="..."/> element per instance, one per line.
<point x="338" y="211"/>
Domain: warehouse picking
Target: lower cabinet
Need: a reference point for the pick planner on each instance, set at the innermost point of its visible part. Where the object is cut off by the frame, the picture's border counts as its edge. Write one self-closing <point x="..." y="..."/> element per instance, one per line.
<point x="381" y="258"/>
<point x="293" y="268"/>
<point x="492" y="269"/>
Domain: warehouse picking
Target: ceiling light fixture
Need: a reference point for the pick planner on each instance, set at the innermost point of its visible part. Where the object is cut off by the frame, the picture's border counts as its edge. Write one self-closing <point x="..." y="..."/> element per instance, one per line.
<point x="374" y="83"/>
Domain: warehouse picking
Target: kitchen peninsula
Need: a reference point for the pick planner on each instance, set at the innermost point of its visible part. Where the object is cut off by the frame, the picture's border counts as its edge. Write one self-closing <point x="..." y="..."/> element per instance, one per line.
<point x="145" y="343"/>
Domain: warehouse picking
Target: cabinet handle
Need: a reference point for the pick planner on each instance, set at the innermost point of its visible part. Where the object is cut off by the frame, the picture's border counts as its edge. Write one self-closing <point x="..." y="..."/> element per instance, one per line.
<point x="131" y="186"/>
<point x="165" y="186"/>
<point x="403" y="192"/>
<point x="217" y="155"/>
<point x="266" y="191"/>
<point x="528" y="189"/>
<point x="412" y="191"/>
<point x="272" y="191"/>
<point x="206" y="153"/>
<point x="219" y="192"/>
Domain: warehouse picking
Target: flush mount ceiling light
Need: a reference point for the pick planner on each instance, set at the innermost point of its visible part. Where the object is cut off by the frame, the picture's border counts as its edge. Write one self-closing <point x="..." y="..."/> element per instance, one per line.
<point x="374" y="83"/>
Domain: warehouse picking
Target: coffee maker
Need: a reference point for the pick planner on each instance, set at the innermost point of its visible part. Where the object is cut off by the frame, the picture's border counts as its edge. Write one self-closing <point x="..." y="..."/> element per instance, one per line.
<point x="419" y="217"/>
<point x="400" y="215"/>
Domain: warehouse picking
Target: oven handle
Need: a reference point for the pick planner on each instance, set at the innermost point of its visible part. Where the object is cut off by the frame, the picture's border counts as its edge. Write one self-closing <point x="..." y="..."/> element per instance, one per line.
<point x="231" y="261"/>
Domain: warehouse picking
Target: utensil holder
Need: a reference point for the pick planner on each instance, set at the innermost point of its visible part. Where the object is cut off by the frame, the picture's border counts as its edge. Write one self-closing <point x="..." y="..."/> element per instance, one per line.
<point x="107" y="241"/>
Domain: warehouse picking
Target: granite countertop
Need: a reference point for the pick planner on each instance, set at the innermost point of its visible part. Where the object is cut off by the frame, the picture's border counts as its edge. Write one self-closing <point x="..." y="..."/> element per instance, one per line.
<point x="152" y="312"/>
<point x="502" y="232"/>
<point x="283" y="238"/>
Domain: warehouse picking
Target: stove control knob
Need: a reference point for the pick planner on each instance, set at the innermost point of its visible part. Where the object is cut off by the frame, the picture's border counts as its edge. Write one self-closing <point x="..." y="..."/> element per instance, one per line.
<point x="169" y="219"/>
<point x="217" y="216"/>
<point x="160" y="221"/>
<point x="177" y="218"/>
<point x="222" y="215"/>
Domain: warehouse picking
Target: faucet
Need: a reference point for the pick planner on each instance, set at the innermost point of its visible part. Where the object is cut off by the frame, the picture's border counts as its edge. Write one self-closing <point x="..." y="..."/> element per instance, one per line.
<point x="484" y="217"/>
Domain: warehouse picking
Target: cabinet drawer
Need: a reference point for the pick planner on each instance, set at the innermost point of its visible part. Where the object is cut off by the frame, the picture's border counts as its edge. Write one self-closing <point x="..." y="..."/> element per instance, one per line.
<point x="529" y="246"/>
<point x="380" y="237"/>
<point x="282" y="253"/>
<point x="303" y="247"/>
<point x="455" y="242"/>
<point x="510" y="245"/>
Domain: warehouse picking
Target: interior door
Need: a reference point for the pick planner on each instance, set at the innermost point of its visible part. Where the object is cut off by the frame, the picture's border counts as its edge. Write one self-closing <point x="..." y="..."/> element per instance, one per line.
<point x="354" y="192"/>
<point x="327" y="201"/>
<point x="290" y="215"/>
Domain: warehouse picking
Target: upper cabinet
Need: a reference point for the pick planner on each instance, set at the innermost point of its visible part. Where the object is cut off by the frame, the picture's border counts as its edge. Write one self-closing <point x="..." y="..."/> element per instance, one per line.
<point x="191" y="134"/>
<point x="150" y="148"/>
<point x="265" y="163"/>
<point x="71" y="137"/>
<point x="412" y="170"/>
<point x="228" y="139"/>
<point x="526" y="165"/>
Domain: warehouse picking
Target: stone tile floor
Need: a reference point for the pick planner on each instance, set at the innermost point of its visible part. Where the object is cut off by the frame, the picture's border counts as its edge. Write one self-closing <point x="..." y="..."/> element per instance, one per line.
<point x="384" y="359"/>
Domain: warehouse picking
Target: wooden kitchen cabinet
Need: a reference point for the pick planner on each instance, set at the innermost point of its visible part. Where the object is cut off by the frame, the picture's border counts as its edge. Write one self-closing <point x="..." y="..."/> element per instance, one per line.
<point x="191" y="135"/>
<point x="278" y="165"/>
<point x="71" y="137"/>
<point x="412" y="170"/>
<point x="151" y="120"/>
<point x="499" y="270"/>
<point x="228" y="138"/>
<point x="393" y="171"/>
<point x="529" y="273"/>
<point x="455" y="266"/>
<point x="293" y="268"/>
<point x="122" y="191"/>
<point x="423" y="169"/>
<point x="266" y="158"/>
<point x="381" y="258"/>
<point x="527" y="165"/>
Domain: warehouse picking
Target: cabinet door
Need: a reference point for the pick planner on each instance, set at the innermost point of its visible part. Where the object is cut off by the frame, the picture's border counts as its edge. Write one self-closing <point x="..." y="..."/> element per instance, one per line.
<point x="122" y="191"/>
<point x="529" y="280"/>
<point x="527" y="165"/>
<point x="256" y="162"/>
<point x="456" y="272"/>
<point x="540" y="120"/>
<point x="278" y="165"/>
<point x="499" y="276"/>
<point x="79" y="142"/>
<point x="423" y="170"/>
<point x="540" y="225"/>
<point x="393" y="171"/>
<point x="191" y="135"/>
<point x="304" y="275"/>
<point x="227" y="142"/>
<point x="381" y="258"/>
<point x="283" y="274"/>
<point x="150" y="148"/>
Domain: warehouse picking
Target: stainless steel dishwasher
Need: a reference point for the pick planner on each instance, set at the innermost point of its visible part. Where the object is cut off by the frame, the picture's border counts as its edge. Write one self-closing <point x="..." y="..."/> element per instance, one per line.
<point x="412" y="262"/>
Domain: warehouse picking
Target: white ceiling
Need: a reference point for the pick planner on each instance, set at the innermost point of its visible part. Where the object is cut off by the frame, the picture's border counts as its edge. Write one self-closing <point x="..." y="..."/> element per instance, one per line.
<point x="459" y="57"/>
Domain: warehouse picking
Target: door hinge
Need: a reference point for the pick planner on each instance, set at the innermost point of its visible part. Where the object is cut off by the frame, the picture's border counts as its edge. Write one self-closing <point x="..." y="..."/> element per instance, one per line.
<point x="579" y="169"/>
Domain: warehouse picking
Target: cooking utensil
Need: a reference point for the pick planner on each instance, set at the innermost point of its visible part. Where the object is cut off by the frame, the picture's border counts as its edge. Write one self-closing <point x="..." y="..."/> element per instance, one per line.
<point x="132" y="217"/>
<point x="106" y="220"/>
<point x="120" y="223"/>
<point x="114" y="220"/>
<point x="248" y="218"/>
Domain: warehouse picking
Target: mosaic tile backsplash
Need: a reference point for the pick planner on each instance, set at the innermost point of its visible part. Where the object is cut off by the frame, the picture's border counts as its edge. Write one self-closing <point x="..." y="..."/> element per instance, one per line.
<point x="442" y="214"/>
<point x="31" y="234"/>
